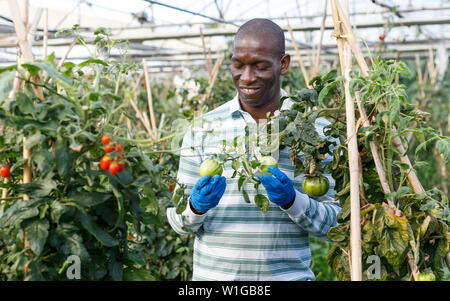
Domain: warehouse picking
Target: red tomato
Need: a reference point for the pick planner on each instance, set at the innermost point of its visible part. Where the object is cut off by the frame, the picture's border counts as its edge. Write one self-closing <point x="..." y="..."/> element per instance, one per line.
<point x="381" y="37"/>
<point x="5" y="171"/>
<point x="119" y="147"/>
<point x="105" y="139"/>
<point x="108" y="148"/>
<point x="121" y="165"/>
<point x="105" y="162"/>
<point x="114" y="168"/>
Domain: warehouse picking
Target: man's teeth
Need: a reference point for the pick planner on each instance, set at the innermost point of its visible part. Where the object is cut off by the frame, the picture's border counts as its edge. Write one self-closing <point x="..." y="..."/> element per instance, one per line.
<point x="249" y="91"/>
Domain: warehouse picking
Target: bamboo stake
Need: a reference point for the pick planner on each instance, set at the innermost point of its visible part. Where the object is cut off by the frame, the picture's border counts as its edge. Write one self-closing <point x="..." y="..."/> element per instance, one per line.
<point x="355" y="227"/>
<point x="4" y="191"/>
<point x="431" y="66"/>
<point x="419" y="70"/>
<point x="355" y="220"/>
<point x="20" y="30"/>
<point x="150" y="99"/>
<point x="139" y="114"/>
<point x="33" y="25"/>
<point x="210" y="58"/>
<point x="412" y="177"/>
<point x="397" y="143"/>
<point x="25" y="12"/>
<point x="374" y="151"/>
<point x="347" y="29"/>
<point x="66" y="55"/>
<point x="412" y="265"/>
<point x="207" y="62"/>
<point x="397" y="76"/>
<point x="319" y="48"/>
<point x="215" y="72"/>
<point x="141" y="118"/>
<point x="311" y="61"/>
<point x="28" y="54"/>
<point x="133" y="91"/>
<point x="299" y="57"/>
<point x="161" y="124"/>
<point x="45" y="40"/>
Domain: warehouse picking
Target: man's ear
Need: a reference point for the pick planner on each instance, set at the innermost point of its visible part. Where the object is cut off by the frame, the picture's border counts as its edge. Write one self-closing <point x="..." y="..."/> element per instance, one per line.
<point x="285" y="61"/>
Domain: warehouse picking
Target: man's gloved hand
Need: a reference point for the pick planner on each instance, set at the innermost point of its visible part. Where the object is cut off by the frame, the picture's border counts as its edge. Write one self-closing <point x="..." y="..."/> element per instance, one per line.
<point x="207" y="192"/>
<point x="279" y="187"/>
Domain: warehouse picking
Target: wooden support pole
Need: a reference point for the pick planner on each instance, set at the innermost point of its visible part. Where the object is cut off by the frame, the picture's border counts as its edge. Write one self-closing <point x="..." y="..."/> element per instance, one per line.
<point x="207" y="61"/>
<point x="299" y="57"/>
<point x="20" y="30"/>
<point x="33" y="25"/>
<point x="396" y="141"/>
<point x="319" y="48"/>
<point x="25" y="47"/>
<point x="45" y="38"/>
<point x="66" y="55"/>
<point x="215" y="72"/>
<point x="345" y="55"/>
<point x="150" y="99"/>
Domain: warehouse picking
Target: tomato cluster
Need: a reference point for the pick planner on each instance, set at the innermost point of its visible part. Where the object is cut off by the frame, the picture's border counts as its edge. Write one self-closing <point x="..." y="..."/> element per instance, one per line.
<point x="5" y="171"/>
<point x="107" y="162"/>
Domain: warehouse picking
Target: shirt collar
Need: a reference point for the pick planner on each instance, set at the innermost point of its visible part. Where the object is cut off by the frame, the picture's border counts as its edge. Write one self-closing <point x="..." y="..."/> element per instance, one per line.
<point x="235" y="105"/>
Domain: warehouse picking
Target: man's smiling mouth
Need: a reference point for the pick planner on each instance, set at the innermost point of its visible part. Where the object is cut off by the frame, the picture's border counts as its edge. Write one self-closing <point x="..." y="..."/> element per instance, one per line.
<point x="249" y="91"/>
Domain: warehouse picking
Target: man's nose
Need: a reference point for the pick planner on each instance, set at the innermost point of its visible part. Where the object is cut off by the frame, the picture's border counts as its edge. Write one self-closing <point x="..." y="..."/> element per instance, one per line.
<point x="248" y="76"/>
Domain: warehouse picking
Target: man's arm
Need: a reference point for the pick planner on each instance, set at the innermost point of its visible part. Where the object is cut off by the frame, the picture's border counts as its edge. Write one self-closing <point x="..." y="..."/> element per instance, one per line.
<point x="315" y="216"/>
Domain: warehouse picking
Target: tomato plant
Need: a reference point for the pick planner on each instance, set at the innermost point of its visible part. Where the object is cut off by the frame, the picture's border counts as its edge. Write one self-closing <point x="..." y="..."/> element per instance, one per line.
<point x="389" y="233"/>
<point x="74" y="207"/>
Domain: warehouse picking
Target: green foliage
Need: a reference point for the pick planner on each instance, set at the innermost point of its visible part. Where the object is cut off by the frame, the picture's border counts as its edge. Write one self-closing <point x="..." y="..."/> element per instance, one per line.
<point x="74" y="207"/>
<point x="418" y="224"/>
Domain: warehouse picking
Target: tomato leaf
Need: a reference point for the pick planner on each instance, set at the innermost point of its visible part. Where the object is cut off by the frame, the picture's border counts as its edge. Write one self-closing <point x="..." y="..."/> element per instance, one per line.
<point x="91" y="226"/>
<point x="37" y="235"/>
<point x="89" y="198"/>
<point x="262" y="202"/>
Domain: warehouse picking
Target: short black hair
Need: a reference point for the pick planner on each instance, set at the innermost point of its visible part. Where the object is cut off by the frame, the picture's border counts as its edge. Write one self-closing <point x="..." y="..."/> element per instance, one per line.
<point x="265" y="28"/>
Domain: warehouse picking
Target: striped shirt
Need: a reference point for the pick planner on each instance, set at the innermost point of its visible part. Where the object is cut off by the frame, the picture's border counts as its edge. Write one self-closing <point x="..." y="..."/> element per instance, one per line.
<point x="235" y="240"/>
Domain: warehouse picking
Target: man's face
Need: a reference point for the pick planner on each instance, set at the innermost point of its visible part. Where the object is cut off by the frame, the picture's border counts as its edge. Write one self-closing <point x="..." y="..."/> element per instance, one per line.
<point x="256" y="67"/>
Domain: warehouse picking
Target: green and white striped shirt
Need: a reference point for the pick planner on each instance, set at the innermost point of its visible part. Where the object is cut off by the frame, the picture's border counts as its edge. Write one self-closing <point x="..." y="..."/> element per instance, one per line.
<point x="235" y="240"/>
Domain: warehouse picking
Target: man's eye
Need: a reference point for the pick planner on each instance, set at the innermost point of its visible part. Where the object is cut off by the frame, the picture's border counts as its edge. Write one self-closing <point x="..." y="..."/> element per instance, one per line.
<point x="261" y="67"/>
<point x="237" y="66"/>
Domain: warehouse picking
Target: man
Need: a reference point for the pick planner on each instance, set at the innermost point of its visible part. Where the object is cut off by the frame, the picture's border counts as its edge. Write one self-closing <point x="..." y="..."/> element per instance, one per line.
<point x="234" y="239"/>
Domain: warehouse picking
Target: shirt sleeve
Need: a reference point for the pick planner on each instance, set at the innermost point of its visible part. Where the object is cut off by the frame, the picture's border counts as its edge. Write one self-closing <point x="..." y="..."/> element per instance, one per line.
<point x="314" y="215"/>
<point x="190" y="160"/>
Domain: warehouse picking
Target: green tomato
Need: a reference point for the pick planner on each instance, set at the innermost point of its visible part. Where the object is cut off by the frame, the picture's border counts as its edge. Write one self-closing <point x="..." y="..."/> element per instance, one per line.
<point x="316" y="186"/>
<point x="211" y="168"/>
<point x="426" y="276"/>
<point x="267" y="161"/>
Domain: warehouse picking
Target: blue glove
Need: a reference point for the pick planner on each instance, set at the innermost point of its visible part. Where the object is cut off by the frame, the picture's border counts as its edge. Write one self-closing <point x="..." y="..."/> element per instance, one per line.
<point x="207" y="192"/>
<point x="279" y="187"/>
